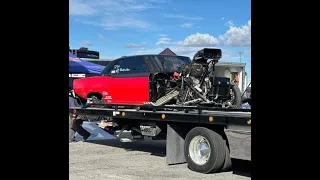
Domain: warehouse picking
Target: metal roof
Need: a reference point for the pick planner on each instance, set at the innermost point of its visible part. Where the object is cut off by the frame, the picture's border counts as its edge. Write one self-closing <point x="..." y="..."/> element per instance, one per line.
<point x="167" y="51"/>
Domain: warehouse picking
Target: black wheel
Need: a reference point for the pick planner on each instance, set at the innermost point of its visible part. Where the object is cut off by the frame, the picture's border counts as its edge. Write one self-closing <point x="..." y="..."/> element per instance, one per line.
<point x="204" y="150"/>
<point x="227" y="165"/>
<point x="96" y="100"/>
<point x="235" y="95"/>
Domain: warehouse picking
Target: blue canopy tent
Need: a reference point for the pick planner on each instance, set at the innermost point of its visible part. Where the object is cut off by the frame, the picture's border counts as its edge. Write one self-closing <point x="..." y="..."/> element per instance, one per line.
<point x="77" y="65"/>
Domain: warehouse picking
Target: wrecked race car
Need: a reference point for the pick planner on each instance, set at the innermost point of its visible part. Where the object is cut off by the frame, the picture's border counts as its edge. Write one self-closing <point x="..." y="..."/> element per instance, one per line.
<point x="161" y="80"/>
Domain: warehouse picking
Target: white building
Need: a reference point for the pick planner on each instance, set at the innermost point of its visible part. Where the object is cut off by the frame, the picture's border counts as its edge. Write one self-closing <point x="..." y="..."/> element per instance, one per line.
<point x="233" y="70"/>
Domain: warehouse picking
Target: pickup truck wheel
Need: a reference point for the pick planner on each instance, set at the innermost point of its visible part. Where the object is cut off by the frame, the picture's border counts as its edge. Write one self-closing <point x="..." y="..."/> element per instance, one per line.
<point x="204" y="150"/>
<point x="95" y="99"/>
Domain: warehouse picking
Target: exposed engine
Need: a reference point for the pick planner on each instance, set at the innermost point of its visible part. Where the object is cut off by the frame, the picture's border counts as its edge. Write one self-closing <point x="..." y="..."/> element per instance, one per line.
<point x="195" y="84"/>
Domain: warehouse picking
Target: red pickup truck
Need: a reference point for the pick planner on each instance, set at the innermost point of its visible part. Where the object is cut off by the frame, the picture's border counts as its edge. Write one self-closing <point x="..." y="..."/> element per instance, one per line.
<point x="130" y="80"/>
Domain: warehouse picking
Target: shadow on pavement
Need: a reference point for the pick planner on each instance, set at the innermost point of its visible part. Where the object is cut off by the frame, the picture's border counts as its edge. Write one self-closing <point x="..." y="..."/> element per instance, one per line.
<point x="158" y="148"/>
<point x="241" y="167"/>
<point x="97" y="132"/>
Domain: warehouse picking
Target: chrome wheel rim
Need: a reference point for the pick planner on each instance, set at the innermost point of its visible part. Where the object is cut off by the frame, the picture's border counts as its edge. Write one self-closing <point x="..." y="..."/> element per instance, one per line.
<point x="199" y="150"/>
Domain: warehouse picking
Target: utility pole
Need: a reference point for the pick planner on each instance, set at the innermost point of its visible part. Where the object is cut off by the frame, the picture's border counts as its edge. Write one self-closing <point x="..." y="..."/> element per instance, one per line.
<point x="240" y="54"/>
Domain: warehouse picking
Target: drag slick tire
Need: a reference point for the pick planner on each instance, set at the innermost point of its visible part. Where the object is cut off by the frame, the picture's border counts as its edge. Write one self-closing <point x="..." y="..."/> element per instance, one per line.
<point x="204" y="150"/>
<point x="237" y="95"/>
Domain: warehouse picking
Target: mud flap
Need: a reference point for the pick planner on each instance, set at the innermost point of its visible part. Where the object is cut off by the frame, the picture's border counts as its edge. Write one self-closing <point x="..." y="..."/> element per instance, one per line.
<point x="175" y="144"/>
<point x="239" y="142"/>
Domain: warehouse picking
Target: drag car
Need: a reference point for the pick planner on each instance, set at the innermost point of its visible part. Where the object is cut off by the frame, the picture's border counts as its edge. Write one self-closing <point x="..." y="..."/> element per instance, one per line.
<point x="161" y="80"/>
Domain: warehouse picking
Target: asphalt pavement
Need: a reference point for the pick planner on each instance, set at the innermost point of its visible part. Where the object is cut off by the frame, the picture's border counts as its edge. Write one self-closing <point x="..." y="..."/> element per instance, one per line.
<point x="112" y="159"/>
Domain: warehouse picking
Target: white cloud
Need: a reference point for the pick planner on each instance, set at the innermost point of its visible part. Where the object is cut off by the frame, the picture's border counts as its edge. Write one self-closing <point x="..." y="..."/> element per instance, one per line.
<point x="123" y="22"/>
<point x="131" y="45"/>
<point x="148" y="51"/>
<point x="180" y="16"/>
<point x="100" y="36"/>
<point x="222" y="18"/>
<point x="78" y="8"/>
<point x="111" y="14"/>
<point x="237" y="36"/>
<point x="86" y="43"/>
<point x="186" y="25"/>
<point x="198" y="40"/>
<point x="230" y="23"/>
<point x="159" y="1"/>
<point x="163" y="41"/>
<point x="138" y="7"/>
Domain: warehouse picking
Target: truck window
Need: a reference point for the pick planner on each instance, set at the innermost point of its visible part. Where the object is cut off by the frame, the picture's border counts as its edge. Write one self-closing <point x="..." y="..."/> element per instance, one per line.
<point x="106" y="70"/>
<point x="171" y="63"/>
<point x="130" y="65"/>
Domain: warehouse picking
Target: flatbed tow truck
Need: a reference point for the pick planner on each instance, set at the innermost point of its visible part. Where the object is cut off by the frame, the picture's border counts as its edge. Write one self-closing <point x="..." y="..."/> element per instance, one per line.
<point x="205" y="138"/>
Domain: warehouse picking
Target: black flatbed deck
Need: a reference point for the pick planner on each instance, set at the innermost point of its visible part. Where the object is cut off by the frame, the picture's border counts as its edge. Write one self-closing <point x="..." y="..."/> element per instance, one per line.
<point x="236" y="122"/>
<point x="187" y="114"/>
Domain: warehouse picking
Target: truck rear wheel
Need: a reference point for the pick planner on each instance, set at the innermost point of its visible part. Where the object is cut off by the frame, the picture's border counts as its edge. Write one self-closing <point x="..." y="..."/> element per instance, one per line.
<point x="227" y="165"/>
<point x="204" y="150"/>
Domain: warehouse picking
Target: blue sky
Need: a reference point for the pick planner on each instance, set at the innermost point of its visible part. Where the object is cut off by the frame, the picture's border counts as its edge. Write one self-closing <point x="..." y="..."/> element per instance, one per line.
<point x="126" y="27"/>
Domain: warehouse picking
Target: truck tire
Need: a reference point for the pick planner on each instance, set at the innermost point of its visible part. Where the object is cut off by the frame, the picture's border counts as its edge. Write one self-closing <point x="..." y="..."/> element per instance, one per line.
<point x="227" y="165"/>
<point x="204" y="150"/>
<point x="237" y="95"/>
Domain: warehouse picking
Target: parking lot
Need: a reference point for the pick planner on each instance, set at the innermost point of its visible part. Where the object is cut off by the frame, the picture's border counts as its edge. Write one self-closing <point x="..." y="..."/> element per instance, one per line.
<point x="112" y="159"/>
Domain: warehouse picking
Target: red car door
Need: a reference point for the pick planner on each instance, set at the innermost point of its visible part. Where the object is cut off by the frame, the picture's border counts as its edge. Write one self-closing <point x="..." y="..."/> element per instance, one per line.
<point x="129" y="82"/>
